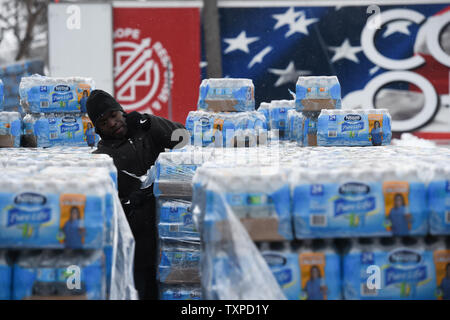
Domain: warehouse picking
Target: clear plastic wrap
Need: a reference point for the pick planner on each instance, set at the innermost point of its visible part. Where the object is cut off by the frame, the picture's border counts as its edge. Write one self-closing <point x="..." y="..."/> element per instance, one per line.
<point x="231" y="266"/>
<point x="46" y="274"/>
<point x="67" y="178"/>
<point x="295" y="126"/>
<point x="264" y="108"/>
<point x="173" y="172"/>
<point x="45" y="94"/>
<point x="278" y="117"/>
<point x="179" y="261"/>
<point x="365" y="199"/>
<point x="225" y="95"/>
<point x="314" y="93"/>
<point x="412" y="270"/>
<point x="175" y="220"/>
<point x="57" y="129"/>
<point x="306" y="271"/>
<point x="226" y="129"/>
<point x="259" y="197"/>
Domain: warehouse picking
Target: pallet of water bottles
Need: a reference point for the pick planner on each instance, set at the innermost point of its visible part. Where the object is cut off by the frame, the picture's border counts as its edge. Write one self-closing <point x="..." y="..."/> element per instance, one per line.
<point x="361" y="269"/>
<point x="10" y="78"/>
<point x="282" y="191"/>
<point x="179" y="251"/>
<point x="55" y="114"/>
<point x="59" y="206"/>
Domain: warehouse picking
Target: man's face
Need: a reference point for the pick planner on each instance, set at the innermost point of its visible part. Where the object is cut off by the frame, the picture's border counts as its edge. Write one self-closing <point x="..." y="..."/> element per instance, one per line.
<point x="113" y="125"/>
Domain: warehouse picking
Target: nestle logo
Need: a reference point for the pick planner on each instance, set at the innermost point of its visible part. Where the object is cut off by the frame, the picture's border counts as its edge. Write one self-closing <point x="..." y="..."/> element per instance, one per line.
<point x="404" y="256"/>
<point x="273" y="259"/>
<point x="354" y="188"/>
<point x="62" y="88"/>
<point x="352" y="117"/>
<point x="30" y="198"/>
<point x="203" y="121"/>
<point x="68" y="120"/>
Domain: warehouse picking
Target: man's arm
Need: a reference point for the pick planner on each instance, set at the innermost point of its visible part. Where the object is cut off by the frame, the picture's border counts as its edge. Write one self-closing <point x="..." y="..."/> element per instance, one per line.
<point x="160" y="129"/>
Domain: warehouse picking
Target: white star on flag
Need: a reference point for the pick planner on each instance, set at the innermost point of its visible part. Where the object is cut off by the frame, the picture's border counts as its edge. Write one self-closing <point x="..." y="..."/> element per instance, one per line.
<point x="290" y="74"/>
<point x="397" y="26"/>
<point x="258" y="58"/>
<point x="345" y="51"/>
<point x="301" y="26"/>
<point x="241" y="42"/>
<point x="286" y="18"/>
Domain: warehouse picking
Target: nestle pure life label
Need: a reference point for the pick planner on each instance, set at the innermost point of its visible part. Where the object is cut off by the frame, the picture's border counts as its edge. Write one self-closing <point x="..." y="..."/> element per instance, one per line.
<point x="359" y="208"/>
<point x="405" y="273"/>
<point x="34" y="219"/>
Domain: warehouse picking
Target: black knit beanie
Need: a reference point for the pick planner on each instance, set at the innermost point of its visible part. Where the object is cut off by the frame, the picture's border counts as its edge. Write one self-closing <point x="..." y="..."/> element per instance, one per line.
<point x="100" y="102"/>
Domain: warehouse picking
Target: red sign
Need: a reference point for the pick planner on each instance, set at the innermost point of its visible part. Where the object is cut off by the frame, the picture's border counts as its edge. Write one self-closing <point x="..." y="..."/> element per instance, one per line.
<point x="157" y="60"/>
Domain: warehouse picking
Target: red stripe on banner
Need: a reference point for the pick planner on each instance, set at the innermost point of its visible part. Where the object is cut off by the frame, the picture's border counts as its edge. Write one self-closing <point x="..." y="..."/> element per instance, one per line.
<point x="433" y="135"/>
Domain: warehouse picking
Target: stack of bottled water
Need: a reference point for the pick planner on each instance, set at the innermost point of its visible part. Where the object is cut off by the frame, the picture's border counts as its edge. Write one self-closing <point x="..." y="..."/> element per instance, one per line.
<point x="279" y="111"/>
<point x="63" y="233"/>
<point x="302" y="193"/>
<point x="56" y="111"/>
<point x="363" y="127"/>
<point x="179" y="240"/>
<point x="314" y="94"/>
<point x="10" y="76"/>
<point x="226" y="115"/>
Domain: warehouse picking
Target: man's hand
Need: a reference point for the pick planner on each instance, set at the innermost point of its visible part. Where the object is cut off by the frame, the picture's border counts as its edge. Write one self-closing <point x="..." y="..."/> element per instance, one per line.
<point x="136" y="121"/>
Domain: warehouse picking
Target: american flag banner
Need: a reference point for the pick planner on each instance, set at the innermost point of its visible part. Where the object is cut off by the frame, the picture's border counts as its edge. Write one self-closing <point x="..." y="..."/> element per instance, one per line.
<point x="385" y="56"/>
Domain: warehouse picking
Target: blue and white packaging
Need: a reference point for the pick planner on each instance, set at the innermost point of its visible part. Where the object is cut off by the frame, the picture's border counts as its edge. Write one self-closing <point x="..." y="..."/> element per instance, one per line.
<point x="362" y="127"/>
<point x="370" y="200"/>
<point x="224" y="129"/>
<point x="45" y="211"/>
<point x="278" y="117"/>
<point x="64" y="129"/>
<point x="179" y="262"/>
<point x="260" y="197"/>
<point x="309" y="129"/>
<point x="180" y="292"/>
<point x="314" y="93"/>
<point x="295" y="126"/>
<point x="310" y="271"/>
<point x="175" y="220"/>
<point x="439" y="202"/>
<point x="226" y="95"/>
<point x="44" y="274"/>
<point x="405" y="271"/>
<point x="284" y="264"/>
<point x="5" y="277"/>
<point x="44" y="94"/>
<point x="10" y="129"/>
<point x="264" y="108"/>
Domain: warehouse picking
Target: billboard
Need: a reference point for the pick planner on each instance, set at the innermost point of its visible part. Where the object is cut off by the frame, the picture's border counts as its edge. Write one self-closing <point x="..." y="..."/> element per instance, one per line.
<point x="156" y="59"/>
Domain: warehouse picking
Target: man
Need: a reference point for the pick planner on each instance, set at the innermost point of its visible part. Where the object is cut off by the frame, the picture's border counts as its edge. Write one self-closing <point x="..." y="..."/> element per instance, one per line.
<point x="134" y="141"/>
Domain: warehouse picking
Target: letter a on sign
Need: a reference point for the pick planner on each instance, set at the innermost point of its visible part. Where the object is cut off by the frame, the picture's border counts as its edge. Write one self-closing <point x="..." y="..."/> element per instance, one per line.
<point x="74" y="20"/>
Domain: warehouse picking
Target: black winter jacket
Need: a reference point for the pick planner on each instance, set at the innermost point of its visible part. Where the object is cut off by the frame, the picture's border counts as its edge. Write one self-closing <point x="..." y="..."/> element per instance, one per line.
<point x="136" y="155"/>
